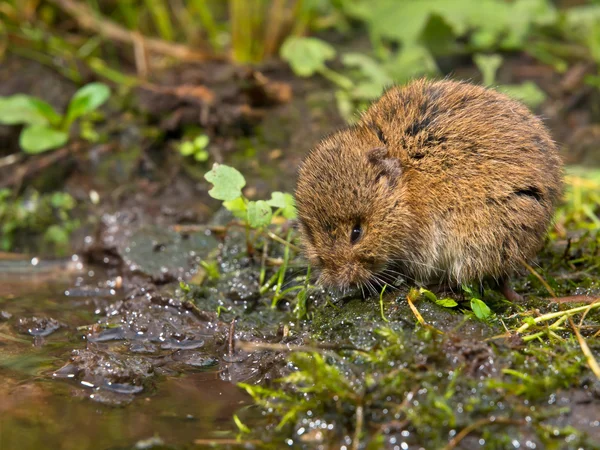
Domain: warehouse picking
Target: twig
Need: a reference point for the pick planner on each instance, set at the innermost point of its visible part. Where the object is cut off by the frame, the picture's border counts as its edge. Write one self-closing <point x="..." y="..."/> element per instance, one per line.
<point x="586" y="351"/>
<point x="479" y="423"/>
<point x="359" y="427"/>
<point x="539" y="277"/>
<point x="89" y="20"/>
<point x="10" y="159"/>
<point x="225" y="441"/>
<point x="195" y="228"/>
<point x="419" y="317"/>
<point x="39" y="163"/>
<point x="231" y="338"/>
<point x="276" y="238"/>
<point x="550" y="316"/>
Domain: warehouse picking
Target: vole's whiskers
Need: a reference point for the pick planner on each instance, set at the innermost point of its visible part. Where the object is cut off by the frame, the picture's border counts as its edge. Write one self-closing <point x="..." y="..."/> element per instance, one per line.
<point x="396" y="274"/>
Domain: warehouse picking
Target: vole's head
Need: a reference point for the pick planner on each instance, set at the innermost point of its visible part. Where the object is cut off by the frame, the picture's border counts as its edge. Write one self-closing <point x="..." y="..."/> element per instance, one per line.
<point x="350" y="207"/>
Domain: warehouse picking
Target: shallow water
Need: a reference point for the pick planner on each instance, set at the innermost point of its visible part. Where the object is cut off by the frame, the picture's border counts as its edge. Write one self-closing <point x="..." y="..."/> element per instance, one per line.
<point x="40" y="410"/>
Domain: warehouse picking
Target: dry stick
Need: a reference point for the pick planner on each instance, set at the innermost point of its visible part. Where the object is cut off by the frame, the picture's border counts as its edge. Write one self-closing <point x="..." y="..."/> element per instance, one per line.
<point x="226" y="441"/>
<point x="283" y="241"/>
<point x="274" y="26"/>
<point x="359" y="427"/>
<point x="419" y="317"/>
<point x="539" y="277"/>
<point x="586" y="351"/>
<point x="479" y="423"/>
<point x="554" y="315"/>
<point x="88" y="19"/>
<point x="587" y="311"/>
<point x="39" y="163"/>
<point x="231" y="338"/>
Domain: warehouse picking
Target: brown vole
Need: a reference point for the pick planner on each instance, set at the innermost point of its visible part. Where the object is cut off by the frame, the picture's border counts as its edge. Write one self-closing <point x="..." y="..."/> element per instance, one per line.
<point x="439" y="182"/>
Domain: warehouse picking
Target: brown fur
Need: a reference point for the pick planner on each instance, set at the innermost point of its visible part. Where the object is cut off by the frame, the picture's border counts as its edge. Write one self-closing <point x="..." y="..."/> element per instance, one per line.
<point x="450" y="182"/>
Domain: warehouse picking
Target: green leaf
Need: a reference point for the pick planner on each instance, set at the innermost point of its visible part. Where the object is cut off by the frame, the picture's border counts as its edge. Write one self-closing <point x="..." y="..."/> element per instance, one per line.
<point x="528" y="93"/>
<point x="428" y="294"/>
<point x="481" y="310"/>
<point x="368" y="67"/>
<point x="187" y="148"/>
<point x="38" y="139"/>
<point x="413" y="61"/>
<point x="62" y="200"/>
<point x="285" y="202"/>
<point x="488" y="65"/>
<point x="201" y="155"/>
<point x="28" y="110"/>
<point x="227" y="181"/>
<point x="87" y="99"/>
<point x="201" y="142"/>
<point x="56" y="234"/>
<point x="446" y="302"/>
<point x="306" y="55"/>
<point x="259" y="214"/>
<point x="237" y="207"/>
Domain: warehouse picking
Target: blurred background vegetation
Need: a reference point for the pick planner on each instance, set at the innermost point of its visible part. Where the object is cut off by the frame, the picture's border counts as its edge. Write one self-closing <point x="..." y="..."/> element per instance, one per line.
<point x="542" y="52"/>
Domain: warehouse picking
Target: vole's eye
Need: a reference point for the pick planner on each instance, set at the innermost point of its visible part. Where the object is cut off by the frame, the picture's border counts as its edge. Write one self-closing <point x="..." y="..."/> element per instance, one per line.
<point x="356" y="233"/>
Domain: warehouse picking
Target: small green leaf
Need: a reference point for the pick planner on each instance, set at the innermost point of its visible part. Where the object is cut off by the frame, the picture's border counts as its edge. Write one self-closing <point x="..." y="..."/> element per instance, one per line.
<point x="428" y="294"/>
<point x="259" y="214"/>
<point x="28" y="110"/>
<point x="201" y="142"/>
<point x="187" y="148"/>
<point x="285" y="202"/>
<point x="36" y="139"/>
<point x="446" y="302"/>
<point x="481" y="310"/>
<point x="306" y="55"/>
<point x="62" y="200"/>
<point x="368" y="67"/>
<point x="227" y="181"/>
<point x="87" y="99"/>
<point x="201" y="155"/>
<point x="237" y="207"/>
<point x="57" y="235"/>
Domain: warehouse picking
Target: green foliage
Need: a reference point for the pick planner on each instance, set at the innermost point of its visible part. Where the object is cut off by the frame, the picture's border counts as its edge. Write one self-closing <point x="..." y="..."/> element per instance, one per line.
<point x="285" y="203"/>
<point x="87" y="99"/>
<point x="40" y="138"/>
<point x="581" y="205"/>
<point x="527" y="92"/>
<point x="306" y="55"/>
<point x="259" y="214"/>
<point x="402" y="379"/>
<point x="45" y="129"/>
<point x="227" y="186"/>
<point x="47" y="217"/>
<point x="195" y="148"/>
<point x="480" y="309"/>
<point x="227" y="181"/>
<point x="445" y="302"/>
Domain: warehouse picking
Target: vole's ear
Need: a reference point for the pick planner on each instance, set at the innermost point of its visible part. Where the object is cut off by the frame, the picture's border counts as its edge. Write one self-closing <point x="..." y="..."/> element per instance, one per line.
<point x="389" y="167"/>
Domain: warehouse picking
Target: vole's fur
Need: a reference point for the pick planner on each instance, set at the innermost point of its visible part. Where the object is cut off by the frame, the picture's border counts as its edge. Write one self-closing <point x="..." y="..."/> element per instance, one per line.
<point x="441" y="182"/>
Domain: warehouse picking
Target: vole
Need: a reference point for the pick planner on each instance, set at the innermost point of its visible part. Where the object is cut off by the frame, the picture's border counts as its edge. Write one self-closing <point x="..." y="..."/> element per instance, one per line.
<point x="438" y="182"/>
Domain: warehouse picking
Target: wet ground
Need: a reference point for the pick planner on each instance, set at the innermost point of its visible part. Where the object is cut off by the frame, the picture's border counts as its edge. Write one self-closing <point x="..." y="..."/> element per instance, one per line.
<point x="108" y="350"/>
